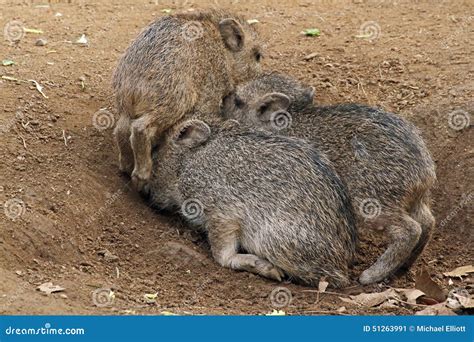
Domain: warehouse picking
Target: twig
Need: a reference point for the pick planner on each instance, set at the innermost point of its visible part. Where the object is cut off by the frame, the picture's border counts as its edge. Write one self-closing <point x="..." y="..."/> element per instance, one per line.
<point x="64" y="137"/>
<point x="413" y="304"/>
<point x="361" y="86"/>
<point x="24" y="143"/>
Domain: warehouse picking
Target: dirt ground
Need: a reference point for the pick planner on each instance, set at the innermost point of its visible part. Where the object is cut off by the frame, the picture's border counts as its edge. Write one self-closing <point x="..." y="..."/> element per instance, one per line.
<point x="70" y="218"/>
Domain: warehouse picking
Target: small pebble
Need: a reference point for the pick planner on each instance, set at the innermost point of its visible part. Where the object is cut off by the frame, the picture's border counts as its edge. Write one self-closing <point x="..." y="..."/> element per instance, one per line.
<point x="41" y="42"/>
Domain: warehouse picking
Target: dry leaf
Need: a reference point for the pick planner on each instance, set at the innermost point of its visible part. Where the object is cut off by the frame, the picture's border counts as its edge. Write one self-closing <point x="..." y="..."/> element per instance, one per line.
<point x="276" y="313"/>
<point x="460" y="271"/>
<point x="82" y="40"/>
<point x="49" y="288"/>
<point x="391" y="303"/>
<point x="411" y="295"/>
<point x="168" y="313"/>
<point x="371" y="299"/>
<point x="435" y="310"/>
<point x="150" y="298"/>
<point x="348" y="300"/>
<point x="460" y="298"/>
<point x="428" y="301"/>
<point x="322" y="286"/>
<point x="424" y="283"/>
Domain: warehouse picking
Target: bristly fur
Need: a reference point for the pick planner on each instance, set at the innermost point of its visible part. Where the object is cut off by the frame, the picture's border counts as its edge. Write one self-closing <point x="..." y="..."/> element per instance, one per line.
<point x="164" y="77"/>
<point x="381" y="158"/>
<point x="277" y="196"/>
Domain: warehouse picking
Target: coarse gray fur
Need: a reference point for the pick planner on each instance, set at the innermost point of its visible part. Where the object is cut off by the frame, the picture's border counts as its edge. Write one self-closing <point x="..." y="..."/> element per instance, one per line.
<point x="273" y="197"/>
<point x="380" y="156"/>
<point x="179" y="66"/>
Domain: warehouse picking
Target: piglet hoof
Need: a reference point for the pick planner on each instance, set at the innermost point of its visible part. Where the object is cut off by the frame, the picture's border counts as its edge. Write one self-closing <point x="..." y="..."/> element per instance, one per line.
<point x="367" y="277"/>
<point x="140" y="184"/>
<point x="269" y="270"/>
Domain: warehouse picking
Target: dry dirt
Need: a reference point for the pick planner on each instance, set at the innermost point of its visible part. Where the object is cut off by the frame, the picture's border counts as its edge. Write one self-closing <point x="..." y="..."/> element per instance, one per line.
<point x="66" y="203"/>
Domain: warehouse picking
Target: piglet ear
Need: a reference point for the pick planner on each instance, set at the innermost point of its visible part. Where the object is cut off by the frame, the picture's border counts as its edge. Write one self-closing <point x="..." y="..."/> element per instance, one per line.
<point x="271" y="103"/>
<point x="307" y="98"/>
<point x="232" y="34"/>
<point x="191" y="133"/>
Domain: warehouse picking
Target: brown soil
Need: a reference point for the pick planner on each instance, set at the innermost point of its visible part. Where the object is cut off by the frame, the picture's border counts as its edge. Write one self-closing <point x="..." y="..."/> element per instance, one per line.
<point x="76" y="204"/>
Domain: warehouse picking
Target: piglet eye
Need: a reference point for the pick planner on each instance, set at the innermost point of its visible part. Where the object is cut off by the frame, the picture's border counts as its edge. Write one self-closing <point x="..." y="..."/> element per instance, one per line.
<point x="258" y="56"/>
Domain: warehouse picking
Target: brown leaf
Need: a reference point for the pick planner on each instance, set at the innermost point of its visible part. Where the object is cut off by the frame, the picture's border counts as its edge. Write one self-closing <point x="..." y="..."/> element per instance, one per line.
<point x="428" y="301"/>
<point x="49" y="288"/>
<point x="322" y="286"/>
<point x="374" y="299"/>
<point x="460" y="271"/>
<point x="391" y="303"/>
<point x="460" y="298"/>
<point x="348" y="300"/>
<point x="411" y="295"/>
<point x="435" y="310"/>
<point x="423" y="282"/>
